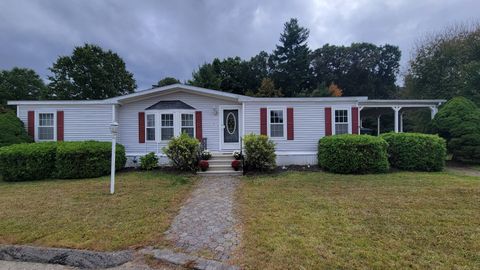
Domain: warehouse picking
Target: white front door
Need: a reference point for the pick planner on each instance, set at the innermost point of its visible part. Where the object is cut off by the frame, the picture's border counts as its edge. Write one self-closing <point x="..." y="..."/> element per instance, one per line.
<point x="230" y="127"/>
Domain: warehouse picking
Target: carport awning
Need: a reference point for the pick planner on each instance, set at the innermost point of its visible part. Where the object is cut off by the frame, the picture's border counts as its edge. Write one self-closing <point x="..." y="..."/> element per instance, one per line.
<point x="170" y="105"/>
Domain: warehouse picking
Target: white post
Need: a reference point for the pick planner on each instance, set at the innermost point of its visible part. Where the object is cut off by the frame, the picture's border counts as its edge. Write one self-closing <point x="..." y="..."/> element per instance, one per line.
<point x="378" y="124"/>
<point x="433" y="110"/>
<point x="396" y="109"/>
<point x="401" y="122"/>
<point x="113" y="130"/>
<point x="112" y="173"/>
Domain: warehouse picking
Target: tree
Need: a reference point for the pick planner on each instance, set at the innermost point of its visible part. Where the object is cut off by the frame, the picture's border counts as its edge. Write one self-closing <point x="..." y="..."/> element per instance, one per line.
<point x="361" y="69"/>
<point x="290" y="63"/>
<point x="334" y="90"/>
<point x="206" y="77"/>
<point x="458" y="121"/>
<point x="90" y="73"/>
<point x="267" y="89"/>
<point x="166" y="81"/>
<point x="20" y="83"/>
<point x="446" y="65"/>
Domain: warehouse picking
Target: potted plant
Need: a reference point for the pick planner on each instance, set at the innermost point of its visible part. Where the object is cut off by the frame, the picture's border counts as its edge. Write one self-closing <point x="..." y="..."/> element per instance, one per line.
<point x="237" y="155"/>
<point x="203" y="165"/>
<point x="206" y="155"/>
<point x="236" y="164"/>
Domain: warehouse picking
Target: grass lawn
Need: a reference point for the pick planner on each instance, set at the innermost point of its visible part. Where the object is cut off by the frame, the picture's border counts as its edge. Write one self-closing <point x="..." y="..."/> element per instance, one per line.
<point x="81" y="213"/>
<point x="388" y="221"/>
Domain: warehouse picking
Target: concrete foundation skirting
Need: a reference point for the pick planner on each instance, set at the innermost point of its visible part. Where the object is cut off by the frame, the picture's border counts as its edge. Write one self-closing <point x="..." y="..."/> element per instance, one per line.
<point x="69" y="257"/>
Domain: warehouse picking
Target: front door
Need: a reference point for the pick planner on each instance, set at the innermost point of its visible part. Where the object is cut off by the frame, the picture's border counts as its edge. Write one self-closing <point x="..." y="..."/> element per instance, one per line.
<point x="231" y="129"/>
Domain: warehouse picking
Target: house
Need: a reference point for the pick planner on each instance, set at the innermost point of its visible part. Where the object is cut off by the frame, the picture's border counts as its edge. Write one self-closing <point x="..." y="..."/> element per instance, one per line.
<point x="148" y="119"/>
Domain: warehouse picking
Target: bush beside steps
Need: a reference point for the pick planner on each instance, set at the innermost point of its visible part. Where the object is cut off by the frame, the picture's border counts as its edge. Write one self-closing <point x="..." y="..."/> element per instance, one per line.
<point x="65" y="160"/>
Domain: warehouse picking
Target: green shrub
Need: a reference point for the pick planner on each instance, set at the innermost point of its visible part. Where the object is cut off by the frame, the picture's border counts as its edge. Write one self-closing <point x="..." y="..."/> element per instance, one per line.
<point x="259" y="152"/>
<point x="458" y="121"/>
<point x="87" y="159"/>
<point x="415" y="151"/>
<point x="353" y="154"/>
<point x="183" y="152"/>
<point x="23" y="162"/>
<point x="12" y="130"/>
<point x="149" y="161"/>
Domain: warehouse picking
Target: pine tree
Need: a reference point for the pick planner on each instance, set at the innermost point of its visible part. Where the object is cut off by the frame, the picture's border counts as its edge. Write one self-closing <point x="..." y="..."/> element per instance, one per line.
<point x="267" y="89"/>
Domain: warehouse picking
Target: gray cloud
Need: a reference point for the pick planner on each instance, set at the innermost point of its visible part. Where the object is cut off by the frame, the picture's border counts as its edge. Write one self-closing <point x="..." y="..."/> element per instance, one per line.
<point x="172" y="38"/>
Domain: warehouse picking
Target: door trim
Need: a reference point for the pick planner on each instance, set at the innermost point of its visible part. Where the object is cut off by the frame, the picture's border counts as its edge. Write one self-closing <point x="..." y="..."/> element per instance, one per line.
<point x="229" y="146"/>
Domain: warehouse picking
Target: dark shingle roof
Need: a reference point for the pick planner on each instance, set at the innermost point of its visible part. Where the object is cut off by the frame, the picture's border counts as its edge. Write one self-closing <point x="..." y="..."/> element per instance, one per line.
<point x="170" y="105"/>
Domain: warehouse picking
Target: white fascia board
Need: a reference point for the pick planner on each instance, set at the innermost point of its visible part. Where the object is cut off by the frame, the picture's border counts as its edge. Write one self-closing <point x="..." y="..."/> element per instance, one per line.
<point x="402" y="102"/>
<point x="303" y="99"/>
<point x="61" y="102"/>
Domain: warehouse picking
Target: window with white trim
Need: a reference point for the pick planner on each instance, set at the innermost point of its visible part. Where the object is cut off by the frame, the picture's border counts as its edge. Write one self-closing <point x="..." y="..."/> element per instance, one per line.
<point x="46" y="127"/>
<point x="187" y="124"/>
<point x="277" y="123"/>
<point x="167" y="128"/>
<point x="341" y="121"/>
<point x="150" y="127"/>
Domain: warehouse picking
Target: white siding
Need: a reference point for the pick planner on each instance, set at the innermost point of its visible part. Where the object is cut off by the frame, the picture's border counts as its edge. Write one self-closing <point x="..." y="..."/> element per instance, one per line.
<point x="128" y="120"/>
<point x="309" y="123"/>
<point x="81" y="122"/>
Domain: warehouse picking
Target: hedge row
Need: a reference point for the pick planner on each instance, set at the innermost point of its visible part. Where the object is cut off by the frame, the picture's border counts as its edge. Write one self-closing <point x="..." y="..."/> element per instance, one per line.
<point x="353" y="154"/>
<point x="35" y="161"/>
<point x="368" y="154"/>
<point x="415" y="151"/>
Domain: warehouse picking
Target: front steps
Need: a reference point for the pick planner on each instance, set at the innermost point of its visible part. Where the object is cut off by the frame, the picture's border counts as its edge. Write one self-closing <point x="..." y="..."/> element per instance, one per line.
<point x="220" y="164"/>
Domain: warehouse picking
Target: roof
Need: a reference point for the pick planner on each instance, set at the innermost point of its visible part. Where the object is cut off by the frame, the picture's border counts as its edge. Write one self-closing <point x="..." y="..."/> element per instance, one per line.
<point x="362" y="100"/>
<point x="170" y="105"/>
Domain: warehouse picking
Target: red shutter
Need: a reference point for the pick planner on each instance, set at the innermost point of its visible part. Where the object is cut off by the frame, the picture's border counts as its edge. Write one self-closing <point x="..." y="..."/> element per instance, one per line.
<point x="354" y="120"/>
<point x="60" y="125"/>
<point x="141" y="127"/>
<point x="290" y="124"/>
<point x="263" y="121"/>
<point x="328" y="121"/>
<point x="31" y="124"/>
<point x="198" y="126"/>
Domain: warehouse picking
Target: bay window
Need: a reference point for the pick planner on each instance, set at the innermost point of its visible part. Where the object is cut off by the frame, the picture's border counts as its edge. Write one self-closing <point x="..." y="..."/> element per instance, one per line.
<point x="150" y="128"/>
<point x="167" y="130"/>
<point x="187" y="124"/>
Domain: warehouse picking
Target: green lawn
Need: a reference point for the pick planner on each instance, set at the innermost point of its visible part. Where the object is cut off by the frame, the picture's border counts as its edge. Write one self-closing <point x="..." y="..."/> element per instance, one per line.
<point x="387" y="221"/>
<point x="81" y="213"/>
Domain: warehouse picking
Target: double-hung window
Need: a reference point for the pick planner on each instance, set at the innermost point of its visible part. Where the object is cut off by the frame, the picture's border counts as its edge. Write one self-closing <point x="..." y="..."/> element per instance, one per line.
<point x="167" y="128"/>
<point x="46" y="126"/>
<point x="341" y="121"/>
<point x="150" y="127"/>
<point x="187" y="124"/>
<point x="277" y="123"/>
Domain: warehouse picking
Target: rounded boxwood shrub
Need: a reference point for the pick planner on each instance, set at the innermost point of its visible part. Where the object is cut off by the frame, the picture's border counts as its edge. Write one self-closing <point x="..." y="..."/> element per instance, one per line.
<point x="183" y="152"/>
<point x="415" y="151"/>
<point x="87" y="159"/>
<point x="12" y="130"/>
<point x="259" y="152"/>
<point x="149" y="161"/>
<point x="23" y="162"/>
<point x="353" y="154"/>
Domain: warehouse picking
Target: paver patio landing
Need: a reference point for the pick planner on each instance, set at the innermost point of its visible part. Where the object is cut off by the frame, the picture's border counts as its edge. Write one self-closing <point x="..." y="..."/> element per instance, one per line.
<point x="207" y="222"/>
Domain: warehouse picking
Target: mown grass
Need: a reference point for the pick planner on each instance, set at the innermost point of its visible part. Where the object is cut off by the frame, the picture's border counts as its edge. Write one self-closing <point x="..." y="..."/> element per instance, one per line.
<point x="82" y="213"/>
<point x="386" y="221"/>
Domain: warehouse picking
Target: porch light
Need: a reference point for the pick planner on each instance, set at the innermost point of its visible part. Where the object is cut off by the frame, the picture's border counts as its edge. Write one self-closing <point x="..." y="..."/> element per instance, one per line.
<point x="114" y="128"/>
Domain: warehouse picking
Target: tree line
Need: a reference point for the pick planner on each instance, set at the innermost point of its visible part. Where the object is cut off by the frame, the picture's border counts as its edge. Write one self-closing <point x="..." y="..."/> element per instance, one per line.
<point x="443" y="66"/>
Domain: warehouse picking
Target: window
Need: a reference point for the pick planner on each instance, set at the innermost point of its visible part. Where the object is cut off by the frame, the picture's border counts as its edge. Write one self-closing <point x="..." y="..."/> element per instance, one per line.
<point x="46" y="127"/>
<point x="341" y="121"/>
<point x="150" y="127"/>
<point x="167" y="126"/>
<point x="187" y="124"/>
<point x="276" y="124"/>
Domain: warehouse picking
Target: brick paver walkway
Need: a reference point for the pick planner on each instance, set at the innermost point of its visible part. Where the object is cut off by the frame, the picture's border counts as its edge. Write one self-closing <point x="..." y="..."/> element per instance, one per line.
<point x="207" y="222"/>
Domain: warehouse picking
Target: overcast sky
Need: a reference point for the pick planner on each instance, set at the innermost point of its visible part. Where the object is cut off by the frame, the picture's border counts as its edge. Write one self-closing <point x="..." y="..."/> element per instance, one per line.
<point x="172" y="38"/>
